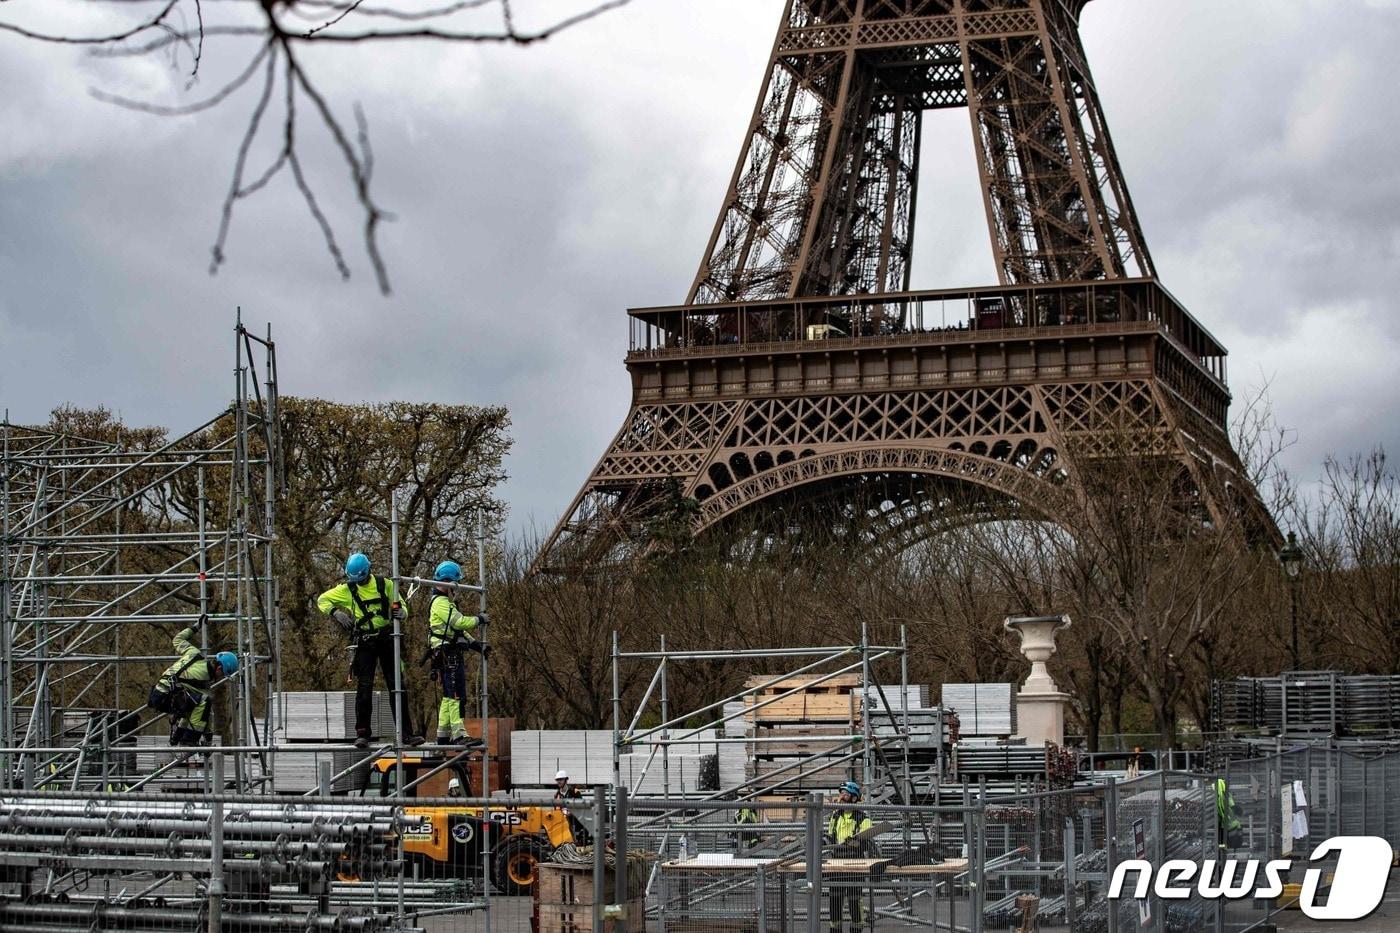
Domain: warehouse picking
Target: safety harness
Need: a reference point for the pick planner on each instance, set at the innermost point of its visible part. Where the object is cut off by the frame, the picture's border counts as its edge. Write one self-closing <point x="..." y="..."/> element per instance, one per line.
<point x="364" y="625"/>
<point x="176" y="700"/>
<point x="451" y="639"/>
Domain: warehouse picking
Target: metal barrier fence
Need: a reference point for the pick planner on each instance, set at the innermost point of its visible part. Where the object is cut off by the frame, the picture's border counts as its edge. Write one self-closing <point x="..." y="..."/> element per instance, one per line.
<point x="1346" y="793"/>
<point x="401" y="854"/>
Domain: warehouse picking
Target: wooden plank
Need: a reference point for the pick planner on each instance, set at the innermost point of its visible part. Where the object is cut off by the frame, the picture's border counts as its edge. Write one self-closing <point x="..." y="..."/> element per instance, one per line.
<point x="784" y="730"/>
<point x="845" y="682"/>
<point x="952" y="866"/>
<point x="806" y="707"/>
<point x="841" y="866"/>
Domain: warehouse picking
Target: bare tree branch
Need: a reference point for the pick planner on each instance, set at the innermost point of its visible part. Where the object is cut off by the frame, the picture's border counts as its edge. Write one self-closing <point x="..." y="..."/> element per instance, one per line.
<point x="278" y="42"/>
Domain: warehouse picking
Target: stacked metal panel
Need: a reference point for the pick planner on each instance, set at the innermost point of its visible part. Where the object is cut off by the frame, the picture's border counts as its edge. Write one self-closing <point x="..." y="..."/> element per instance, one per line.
<point x="296" y="772"/>
<point x="1308" y="702"/>
<point x="999" y="760"/>
<point x="983" y="709"/>
<point x="536" y="754"/>
<point x="914" y="696"/>
<point x="739" y="726"/>
<point x="327" y="716"/>
<point x="682" y="774"/>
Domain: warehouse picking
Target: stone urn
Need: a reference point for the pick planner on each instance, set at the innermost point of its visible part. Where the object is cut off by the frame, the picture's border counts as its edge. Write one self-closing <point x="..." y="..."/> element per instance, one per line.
<point x="1038" y="645"/>
<point x="1040" y="706"/>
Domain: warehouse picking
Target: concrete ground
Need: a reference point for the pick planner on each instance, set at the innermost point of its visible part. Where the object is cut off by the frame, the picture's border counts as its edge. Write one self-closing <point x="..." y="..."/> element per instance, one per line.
<point x="1386" y="918"/>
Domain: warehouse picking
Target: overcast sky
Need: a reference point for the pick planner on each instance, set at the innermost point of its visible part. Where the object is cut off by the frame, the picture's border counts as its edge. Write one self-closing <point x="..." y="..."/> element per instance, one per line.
<point x="539" y="192"/>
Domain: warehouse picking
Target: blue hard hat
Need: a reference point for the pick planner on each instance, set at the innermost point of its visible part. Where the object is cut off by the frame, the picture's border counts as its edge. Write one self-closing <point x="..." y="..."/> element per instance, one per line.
<point x="357" y="568"/>
<point x="228" y="661"/>
<point x="449" y="571"/>
<point x="852" y="788"/>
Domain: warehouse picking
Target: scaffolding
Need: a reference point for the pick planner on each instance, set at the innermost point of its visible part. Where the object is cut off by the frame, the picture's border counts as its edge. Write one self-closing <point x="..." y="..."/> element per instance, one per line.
<point x="855" y="745"/>
<point x="106" y="537"/>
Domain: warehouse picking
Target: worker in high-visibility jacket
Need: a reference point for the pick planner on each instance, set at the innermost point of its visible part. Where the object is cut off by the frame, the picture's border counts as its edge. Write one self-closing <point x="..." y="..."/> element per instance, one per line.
<point x="1227" y="816"/>
<point x="182" y="692"/>
<point x="449" y="638"/>
<point x="840" y="830"/>
<point x="366" y="606"/>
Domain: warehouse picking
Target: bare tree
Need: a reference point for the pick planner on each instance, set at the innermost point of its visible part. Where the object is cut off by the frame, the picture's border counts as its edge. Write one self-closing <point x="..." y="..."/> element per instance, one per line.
<point x="268" y="38"/>
<point x="1350" y="590"/>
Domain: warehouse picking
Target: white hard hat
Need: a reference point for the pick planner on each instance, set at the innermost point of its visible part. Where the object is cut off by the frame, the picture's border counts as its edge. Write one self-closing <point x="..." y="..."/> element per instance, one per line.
<point x="453" y="783"/>
<point x="561" y="775"/>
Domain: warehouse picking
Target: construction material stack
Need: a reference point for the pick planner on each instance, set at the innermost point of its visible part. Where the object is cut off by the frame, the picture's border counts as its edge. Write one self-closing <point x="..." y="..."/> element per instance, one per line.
<point x="1308" y="703"/>
<point x="806" y="732"/>
<point x="931" y="731"/>
<point x="538" y="754"/>
<point x="315" y="719"/>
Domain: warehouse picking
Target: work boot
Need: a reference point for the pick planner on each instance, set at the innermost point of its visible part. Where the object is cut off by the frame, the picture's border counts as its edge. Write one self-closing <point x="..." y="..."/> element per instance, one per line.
<point x="362" y="740"/>
<point x="443" y="739"/>
<point x="415" y="740"/>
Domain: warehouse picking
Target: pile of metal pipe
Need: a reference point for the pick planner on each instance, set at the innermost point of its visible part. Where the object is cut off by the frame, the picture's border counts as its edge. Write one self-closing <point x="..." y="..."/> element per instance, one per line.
<point x="20" y="917"/>
<point x="306" y="845"/>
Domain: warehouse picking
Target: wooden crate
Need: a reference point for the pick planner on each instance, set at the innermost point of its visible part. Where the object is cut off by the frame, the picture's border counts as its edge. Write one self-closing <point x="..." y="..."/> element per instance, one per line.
<point x="500" y="734"/>
<point x="500" y="774"/>
<point x="561" y="918"/>
<point x="569" y="885"/>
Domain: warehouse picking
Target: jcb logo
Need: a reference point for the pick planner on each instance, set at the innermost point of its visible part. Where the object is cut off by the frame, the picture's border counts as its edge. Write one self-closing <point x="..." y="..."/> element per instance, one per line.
<point x="1358" y="884"/>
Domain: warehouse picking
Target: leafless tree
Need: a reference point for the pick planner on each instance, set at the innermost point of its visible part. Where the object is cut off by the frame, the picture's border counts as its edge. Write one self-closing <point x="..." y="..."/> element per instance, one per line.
<point x="268" y="39"/>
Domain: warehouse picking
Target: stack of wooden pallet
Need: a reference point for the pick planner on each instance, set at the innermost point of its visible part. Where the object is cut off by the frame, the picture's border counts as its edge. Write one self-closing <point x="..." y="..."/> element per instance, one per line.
<point x="801" y="738"/>
<point x="564" y="899"/>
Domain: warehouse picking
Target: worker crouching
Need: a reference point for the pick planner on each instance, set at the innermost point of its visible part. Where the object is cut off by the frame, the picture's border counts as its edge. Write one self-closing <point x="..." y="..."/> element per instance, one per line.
<point x="449" y="638"/>
<point x="183" y="691"/>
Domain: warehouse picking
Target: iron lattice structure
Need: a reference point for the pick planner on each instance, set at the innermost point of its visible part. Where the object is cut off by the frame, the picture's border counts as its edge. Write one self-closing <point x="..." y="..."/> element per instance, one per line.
<point x="108" y="539"/>
<point x="802" y="366"/>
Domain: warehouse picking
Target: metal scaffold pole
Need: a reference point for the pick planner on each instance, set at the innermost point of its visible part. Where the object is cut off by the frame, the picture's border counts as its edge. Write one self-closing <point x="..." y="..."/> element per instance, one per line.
<point x="113" y="540"/>
<point x="485" y="713"/>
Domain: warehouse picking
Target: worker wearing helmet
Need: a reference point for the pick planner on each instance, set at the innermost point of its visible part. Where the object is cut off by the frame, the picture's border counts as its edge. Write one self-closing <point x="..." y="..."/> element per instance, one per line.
<point x="448" y="640"/>
<point x="454" y="788"/>
<point x="841" y="830"/>
<point x="563" y="793"/>
<point x="366" y="606"/>
<point x="183" y="690"/>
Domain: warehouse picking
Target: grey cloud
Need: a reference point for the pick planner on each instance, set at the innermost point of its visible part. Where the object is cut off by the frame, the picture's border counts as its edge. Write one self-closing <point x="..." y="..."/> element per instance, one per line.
<point x="541" y="191"/>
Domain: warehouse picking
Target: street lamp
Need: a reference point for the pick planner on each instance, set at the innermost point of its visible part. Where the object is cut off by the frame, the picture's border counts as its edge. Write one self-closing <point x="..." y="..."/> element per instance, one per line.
<point x="1291" y="557"/>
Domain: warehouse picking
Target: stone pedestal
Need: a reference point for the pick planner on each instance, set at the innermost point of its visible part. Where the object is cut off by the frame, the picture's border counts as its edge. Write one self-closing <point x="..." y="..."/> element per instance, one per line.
<point x="1040" y="706"/>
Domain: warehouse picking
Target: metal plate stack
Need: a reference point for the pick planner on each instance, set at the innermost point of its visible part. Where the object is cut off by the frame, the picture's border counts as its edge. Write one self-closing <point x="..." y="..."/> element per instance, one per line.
<point x="1236" y="702"/>
<point x="998" y="761"/>
<point x="686" y="774"/>
<point x="536" y="754"/>
<point x="327" y="716"/>
<point x="983" y="709"/>
<point x="1368" y="702"/>
<point x="1307" y="703"/>
<point x="297" y="773"/>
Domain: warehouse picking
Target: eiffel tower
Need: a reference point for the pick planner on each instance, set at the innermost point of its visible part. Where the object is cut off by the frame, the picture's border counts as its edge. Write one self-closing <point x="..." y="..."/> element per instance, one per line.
<point x="802" y="368"/>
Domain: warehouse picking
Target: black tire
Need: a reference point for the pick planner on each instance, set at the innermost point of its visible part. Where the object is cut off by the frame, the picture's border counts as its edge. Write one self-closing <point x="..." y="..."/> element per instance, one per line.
<point x="515" y="862"/>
